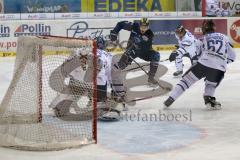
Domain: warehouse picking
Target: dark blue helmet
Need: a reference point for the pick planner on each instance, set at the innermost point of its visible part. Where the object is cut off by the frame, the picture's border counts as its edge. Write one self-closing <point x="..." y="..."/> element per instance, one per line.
<point x="101" y="44"/>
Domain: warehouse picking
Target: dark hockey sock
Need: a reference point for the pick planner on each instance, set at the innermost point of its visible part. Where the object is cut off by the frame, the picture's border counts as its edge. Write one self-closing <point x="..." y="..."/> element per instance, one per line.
<point x="153" y="69"/>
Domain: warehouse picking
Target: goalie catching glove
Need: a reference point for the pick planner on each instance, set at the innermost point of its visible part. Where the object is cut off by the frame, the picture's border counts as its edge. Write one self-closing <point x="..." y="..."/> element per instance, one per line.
<point x="173" y="56"/>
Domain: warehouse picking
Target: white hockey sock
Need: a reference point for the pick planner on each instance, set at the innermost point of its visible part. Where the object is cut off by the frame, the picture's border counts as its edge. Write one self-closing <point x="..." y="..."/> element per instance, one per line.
<point x="188" y="80"/>
<point x="178" y="61"/>
<point x="178" y="64"/>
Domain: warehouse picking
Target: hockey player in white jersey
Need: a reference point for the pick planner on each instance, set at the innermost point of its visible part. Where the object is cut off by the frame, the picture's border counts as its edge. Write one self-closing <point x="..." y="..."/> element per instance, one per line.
<point x="186" y="48"/>
<point x="216" y="53"/>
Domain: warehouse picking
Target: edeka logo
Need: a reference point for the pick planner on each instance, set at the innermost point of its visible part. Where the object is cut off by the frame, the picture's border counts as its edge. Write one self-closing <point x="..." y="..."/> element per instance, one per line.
<point x="235" y="31"/>
<point x="32" y="30"/>
<point x="4" y="31"/>
<point x="128" y="5"/>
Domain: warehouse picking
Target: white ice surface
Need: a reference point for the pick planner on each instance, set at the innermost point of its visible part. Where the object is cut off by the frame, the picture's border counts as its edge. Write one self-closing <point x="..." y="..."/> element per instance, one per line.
<point x="206" y="135"/>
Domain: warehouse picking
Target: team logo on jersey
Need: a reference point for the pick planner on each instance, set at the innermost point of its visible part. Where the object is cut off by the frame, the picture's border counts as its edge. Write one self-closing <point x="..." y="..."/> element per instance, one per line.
<point x="235" y="31"/>
<point x="4" y="31"/>
<point x="32" y="30"/>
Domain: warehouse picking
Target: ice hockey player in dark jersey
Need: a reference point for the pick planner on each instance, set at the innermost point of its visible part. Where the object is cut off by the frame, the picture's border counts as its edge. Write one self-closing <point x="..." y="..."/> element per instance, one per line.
<point x="139" y="45"/>
<point x="216" y="52"/>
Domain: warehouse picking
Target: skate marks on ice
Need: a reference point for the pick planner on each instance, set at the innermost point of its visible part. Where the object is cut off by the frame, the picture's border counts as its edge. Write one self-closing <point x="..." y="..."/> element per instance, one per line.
<point x="137" y="86"/>
<point x="80" y="89"/>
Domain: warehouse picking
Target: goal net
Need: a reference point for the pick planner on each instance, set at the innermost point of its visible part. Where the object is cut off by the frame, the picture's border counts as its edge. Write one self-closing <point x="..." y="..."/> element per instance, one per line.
<point x="45" y="108"/>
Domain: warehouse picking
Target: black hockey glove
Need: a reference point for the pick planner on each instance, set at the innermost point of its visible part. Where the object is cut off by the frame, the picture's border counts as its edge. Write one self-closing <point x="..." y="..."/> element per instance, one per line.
<point x="173" y="56"/>
<point x="113" y="35"/>
<point x="176" y="46"/>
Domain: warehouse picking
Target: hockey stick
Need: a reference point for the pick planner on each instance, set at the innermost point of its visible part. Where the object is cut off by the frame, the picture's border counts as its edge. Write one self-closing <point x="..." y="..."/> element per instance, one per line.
<point x="130" y="69"/>
<point x="140" y="99"/>
<point x="165" y="88"/>
<point x="164" y="60"/>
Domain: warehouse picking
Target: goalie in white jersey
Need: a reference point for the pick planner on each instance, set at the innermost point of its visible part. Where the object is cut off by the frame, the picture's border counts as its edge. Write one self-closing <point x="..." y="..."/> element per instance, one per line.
<point x="186" y="48"/>
<point x="104" y="61"/>
<point x="216" y="53"/>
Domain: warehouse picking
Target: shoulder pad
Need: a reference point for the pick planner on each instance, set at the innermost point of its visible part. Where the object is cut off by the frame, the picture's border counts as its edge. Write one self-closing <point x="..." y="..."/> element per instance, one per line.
<point x="186" y="43"/>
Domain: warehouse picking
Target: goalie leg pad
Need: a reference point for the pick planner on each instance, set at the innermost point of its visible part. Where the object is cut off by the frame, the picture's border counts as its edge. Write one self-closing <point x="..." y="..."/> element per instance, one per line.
<point x="123" y="62"/>
<point x="117" y="81"/>
<point x="60" y="97"/>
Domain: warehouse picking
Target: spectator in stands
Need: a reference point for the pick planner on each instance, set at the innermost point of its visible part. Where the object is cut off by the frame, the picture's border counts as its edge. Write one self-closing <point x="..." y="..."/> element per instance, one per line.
<point x="212" y="8"/>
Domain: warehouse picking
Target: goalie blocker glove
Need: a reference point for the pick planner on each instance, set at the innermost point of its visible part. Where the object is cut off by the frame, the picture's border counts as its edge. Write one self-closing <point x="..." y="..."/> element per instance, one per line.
<point x="113" y="35"/>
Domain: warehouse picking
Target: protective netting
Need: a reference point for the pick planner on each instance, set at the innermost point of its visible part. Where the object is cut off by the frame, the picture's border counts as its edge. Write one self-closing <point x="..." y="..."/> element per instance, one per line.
<point x="45" y="108"/>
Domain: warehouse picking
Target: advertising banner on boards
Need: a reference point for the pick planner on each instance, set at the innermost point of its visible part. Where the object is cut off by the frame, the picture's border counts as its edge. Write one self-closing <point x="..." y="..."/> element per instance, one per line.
<point x="42" y="6"/>
<point x="63" y="6"/>
<point x="234" y="31"/>
<point x="164" y="30"/>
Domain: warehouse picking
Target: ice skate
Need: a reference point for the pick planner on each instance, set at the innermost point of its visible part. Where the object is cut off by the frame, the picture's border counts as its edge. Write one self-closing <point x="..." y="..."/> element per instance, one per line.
<point x="168" y="102"/>
<point x="177" y="73"/>
<point x="152" y="82"/>
<point x="211" y="103"/>
<point x="110" y="116"/>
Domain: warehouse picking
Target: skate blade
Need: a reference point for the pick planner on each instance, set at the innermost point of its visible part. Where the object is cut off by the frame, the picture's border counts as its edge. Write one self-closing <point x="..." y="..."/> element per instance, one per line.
<point x="179" y="76"/>
<point x="165" y="107"/>
<point x="210" y="108"/>
<point x="108" y="119"/>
